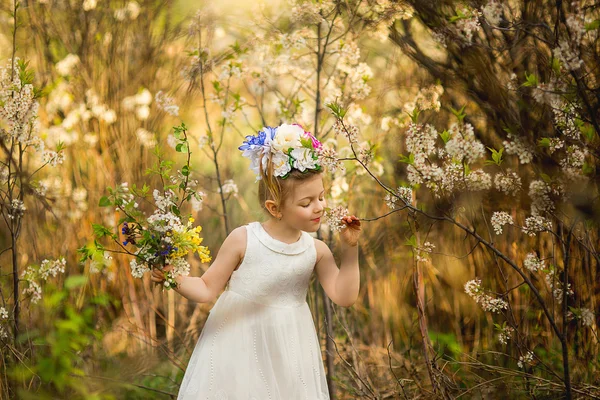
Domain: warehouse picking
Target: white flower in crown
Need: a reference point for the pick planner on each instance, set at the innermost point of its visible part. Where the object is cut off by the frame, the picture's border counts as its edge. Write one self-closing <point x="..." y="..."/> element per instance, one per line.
<point x="281" y="163"/>
<point x="286" y="137"/>
<point x="303" y="158"/>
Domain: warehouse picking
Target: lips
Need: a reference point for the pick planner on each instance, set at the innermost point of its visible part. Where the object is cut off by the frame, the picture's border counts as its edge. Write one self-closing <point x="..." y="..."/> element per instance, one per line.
<point x="316" y="219"/>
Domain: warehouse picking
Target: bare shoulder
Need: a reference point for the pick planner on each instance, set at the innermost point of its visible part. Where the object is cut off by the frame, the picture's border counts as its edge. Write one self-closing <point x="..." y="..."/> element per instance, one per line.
<point x="236" y="241"/>
<point x="321" y="248"/>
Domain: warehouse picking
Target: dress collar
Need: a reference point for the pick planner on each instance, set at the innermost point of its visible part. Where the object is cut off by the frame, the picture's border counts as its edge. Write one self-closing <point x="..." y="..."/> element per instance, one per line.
<point x="278" y="246"/>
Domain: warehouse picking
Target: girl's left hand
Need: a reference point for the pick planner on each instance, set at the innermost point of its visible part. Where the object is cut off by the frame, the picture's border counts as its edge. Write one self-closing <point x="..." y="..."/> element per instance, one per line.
<point x="351" y="231"/>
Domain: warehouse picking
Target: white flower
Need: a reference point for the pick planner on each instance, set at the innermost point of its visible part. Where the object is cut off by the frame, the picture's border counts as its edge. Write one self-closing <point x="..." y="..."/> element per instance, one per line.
<point x="66" y="65"/>
<point x="519" y="147"/>
<point x="488" y="303"/>
<point x="333" y="218"/>
<point x="505" y="334"/>
<point x="142" y="113"/>
<point x="171" y="141"/>
<point x="138" y="270"/>
<point x="303" y="158"/>
<point x="532" y="262"/>
<point x="526" y="359"/>
<point x="89" y="4"/>
<point x="499" y="219"/>
<point x="587" y="317"/>
<point x="536" y="224"/>
<point x="229" y="187"/>
<point x="145" y="137"/>
<point x="492" y="12"/>
<point x="143" y="98"/>
<point x="280" y="162"/>
<point x="109" y="116"/>
<point x="287" y="136"/>
<point x="197" y="200"/>
<point x="52" y="267"/>
<point x="133" y="9"/>
<point x="3" y="313"/>
<point x="166" y="103"/>
<point x="35" y="290"/>
<point x="180" y="267"/>
<point x="509" y="182"/>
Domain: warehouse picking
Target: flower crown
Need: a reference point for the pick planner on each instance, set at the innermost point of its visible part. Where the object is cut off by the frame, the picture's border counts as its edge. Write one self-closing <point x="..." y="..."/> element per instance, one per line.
<point x="289" y="147"/>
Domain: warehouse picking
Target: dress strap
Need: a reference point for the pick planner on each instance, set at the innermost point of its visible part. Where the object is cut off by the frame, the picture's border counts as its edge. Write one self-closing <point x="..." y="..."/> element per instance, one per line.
<point x="278" y="246"/>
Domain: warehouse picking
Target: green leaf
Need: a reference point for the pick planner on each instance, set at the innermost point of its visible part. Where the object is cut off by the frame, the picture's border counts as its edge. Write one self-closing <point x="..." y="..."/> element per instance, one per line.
<point x="408" y="160"/>
<point x="336" y="110"/>
<point x="592" y="25"/>
<point x="545" y="177"/>
<point x="496" y="156"/>
<point x="530" y="80"/>
<point x="544" y="142"/>
<point x="445" y="136"/>
<point x="104" y="202"/>
<point x="185" y="171"/>
<point x="412" y="241"/>
<point x="460" y="114"/>
<point x="74" y="281"/>
<point x="101" y="231"/>
<point x="588" y="131"/>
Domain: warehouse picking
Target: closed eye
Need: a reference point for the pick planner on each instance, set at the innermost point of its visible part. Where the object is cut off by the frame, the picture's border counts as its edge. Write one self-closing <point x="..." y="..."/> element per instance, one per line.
<point x="305" y="206"/>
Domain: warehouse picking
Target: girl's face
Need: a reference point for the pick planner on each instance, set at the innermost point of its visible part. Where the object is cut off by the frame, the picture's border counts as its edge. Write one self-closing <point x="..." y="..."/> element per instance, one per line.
<point x="303" y="208"/>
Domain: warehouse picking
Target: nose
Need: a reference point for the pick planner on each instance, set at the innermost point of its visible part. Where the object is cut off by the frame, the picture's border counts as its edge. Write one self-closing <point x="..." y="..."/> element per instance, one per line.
<point x="320" y="207"/>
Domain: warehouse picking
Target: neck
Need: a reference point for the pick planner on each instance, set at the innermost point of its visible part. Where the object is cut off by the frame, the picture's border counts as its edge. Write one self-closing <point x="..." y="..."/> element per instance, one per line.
<point x="281" y="231"/>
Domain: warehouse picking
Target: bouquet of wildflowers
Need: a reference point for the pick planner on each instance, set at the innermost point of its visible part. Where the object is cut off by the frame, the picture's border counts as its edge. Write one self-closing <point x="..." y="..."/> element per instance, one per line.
<point x="166" y="237"/>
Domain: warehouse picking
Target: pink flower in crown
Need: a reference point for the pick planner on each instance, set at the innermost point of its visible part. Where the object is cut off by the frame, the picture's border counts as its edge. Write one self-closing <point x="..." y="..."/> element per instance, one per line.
<point x="315" y="142"/>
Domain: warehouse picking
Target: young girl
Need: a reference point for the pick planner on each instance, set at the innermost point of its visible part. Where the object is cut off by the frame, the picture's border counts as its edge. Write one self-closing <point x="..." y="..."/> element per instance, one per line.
<point x="259" y="341"/>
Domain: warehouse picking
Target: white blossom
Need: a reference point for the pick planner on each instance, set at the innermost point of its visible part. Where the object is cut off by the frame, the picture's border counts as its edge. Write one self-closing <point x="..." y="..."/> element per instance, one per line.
<point x="65" y="66"/>
<point x="229" y="187"/>
<point x="52" y="267"/>
<point x="505" y="334"/>
<point x="333" y="218"/>
<point x="166" y="104"/>
<point x="488" y="303"/>
<point x="492" y="12"/>
<point x="146" y="138"/>
<point x="526" y="359"/>
<point x="587" y="317"/>
<point x="499" y="219"/>
<point x="508" y="182"/>
<point x="532" y="262"/>
<point x="536" y="224"/>
<point x="519" y="147"/>
<point x="138" y="270"/>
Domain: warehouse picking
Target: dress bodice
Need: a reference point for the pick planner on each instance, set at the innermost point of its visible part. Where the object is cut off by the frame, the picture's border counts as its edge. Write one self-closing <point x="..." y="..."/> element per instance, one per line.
<point x="272" y="272"/>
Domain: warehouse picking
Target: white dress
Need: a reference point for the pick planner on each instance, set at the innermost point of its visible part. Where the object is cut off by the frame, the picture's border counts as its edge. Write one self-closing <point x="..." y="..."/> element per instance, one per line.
<point x="259" y="341"/>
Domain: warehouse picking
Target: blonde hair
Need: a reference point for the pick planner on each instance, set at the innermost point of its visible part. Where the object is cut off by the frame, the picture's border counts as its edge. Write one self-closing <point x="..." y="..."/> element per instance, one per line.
<point x="275" y="188"/>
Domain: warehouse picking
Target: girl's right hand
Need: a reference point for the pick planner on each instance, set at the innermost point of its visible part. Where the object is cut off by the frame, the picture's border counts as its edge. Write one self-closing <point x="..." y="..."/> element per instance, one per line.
<point x="158" y="275"/>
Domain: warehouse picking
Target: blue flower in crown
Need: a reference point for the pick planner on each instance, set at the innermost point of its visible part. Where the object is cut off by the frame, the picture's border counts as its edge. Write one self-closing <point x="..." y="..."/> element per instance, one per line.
<point x="288" y="146"/>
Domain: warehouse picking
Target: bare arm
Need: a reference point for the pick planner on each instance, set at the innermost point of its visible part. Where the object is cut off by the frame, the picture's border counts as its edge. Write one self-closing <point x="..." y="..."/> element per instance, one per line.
<point x="206" y="288"/>
<point x="341" y="284"/>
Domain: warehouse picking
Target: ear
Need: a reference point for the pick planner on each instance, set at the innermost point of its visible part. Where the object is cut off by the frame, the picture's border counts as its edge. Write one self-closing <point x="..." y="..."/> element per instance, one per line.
<point x="272" y="208"/>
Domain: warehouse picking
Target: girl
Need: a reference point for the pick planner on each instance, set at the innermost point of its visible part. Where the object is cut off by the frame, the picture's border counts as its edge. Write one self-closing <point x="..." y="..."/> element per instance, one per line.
<point x="259" y="341"/>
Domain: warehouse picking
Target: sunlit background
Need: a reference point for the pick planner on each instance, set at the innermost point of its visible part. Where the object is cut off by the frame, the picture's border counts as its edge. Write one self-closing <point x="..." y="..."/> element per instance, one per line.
<point x="116" y="77"/>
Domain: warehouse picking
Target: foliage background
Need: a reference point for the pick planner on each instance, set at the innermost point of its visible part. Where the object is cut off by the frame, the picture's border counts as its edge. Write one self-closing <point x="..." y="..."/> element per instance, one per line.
<point x="128" y="339"/>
